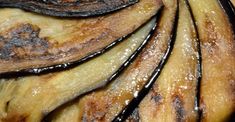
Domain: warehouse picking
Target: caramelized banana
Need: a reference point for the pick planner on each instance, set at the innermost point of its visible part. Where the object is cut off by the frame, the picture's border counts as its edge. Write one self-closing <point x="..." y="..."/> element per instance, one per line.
<point x="173" y="96"/>
<point x="33" y="41"/>
<point x="217" y="96"/>
<point x="29" y="98"/>
<point x="68" y="8"/>
<point x="106" y="103"/>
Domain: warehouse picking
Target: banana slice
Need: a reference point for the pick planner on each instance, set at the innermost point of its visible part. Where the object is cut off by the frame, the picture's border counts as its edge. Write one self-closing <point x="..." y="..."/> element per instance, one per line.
<point x="29" y="98"/>
<point x="68" y="8"/>
<point x="30" y="40"/>
<point x="173" y="96"/>
<point x="217" y="96"/>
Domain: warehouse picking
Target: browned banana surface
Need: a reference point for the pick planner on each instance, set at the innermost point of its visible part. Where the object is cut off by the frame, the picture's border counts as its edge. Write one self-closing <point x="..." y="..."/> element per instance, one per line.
<point x="172" y="98"/>
<point x="106" y="103"/>
<point x="217" y="96"/>
<point x="29" y="98"/>
<point x="68" y="8"/>
<point x="30" y="40"/>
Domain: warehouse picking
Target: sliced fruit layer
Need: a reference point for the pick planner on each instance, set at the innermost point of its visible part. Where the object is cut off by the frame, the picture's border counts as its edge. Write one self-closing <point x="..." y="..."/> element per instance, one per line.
<point x="68" y="8"/>
<point x="217" y="96"/>
<point x="29" y="98"/>
<point x="33" y="41"/>
<point x="173" y="96"/>
<point x="104" y="104"/>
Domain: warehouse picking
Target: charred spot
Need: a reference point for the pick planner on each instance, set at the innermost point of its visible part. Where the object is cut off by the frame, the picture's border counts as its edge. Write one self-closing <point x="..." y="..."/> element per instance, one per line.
<point x="134" y="117"/>
<point x="22" y="41"/>
<point x="179" y="109"/>
<point x="94" y="111"/>
<point x="157" y="98"/>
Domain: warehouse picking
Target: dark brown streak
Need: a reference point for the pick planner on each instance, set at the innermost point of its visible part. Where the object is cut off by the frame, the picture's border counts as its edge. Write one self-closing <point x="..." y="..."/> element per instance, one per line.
<point x="157" y="97"/>
<point x="179" y="109"/>
<point x="97" y="111"/>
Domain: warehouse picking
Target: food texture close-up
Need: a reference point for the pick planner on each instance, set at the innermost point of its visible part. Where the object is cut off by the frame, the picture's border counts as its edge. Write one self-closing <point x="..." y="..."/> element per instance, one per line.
<point x="117" y="60"/>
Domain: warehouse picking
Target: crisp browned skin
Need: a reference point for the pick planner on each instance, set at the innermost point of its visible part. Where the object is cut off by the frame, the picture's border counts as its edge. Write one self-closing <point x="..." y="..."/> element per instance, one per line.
<point x="172" y="98"/>
<point x="68" y="8"/>
<point x="106" y="103"/>
<point x="29" y="98"/>
<point x="217" y="96"/>
<point x="31" y="41"/>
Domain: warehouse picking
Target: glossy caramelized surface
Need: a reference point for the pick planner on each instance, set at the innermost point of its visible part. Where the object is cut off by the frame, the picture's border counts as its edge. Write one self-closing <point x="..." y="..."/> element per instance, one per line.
<point x="190" y="57"/>
<point x="68" y="8"/>
<point x="33" y="41"/>
<point x="217" y="95"/>
<point x="173" y="95"/>
<point x="29" y="98"/>
<point x="106" y="103"/>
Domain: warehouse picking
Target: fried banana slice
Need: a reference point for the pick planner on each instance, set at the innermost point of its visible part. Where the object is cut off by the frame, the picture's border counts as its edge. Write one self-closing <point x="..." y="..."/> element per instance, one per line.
<point x="68" y="8"/>
<point x="106" y="103"/>
<point x="29" y="98"/>
<point x="217" y="90"/>
<point x="173" y="96"/>
<point x="30" y="40"/>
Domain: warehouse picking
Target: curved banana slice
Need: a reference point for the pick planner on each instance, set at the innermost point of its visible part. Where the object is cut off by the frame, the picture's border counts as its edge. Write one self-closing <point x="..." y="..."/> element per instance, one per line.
<point x="217" y="95"/>
<point x="29" y="98"/>
<point x="68" y="8"/>
<point x="173" y="96"/>
<point x="33" y="41"/>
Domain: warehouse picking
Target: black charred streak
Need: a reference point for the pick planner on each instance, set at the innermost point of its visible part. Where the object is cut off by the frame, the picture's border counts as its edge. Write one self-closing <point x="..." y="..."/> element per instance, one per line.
<point x="68" y="8"/>
<point x="22" y="41"/>
<point x="179" y="109"/>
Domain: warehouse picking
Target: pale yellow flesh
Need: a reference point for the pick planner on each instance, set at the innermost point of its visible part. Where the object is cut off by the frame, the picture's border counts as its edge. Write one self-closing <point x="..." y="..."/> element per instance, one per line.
<point x="173" y="95"/>
<point x="71" y="39"/>
<point x="233" y="2"/>
<point x="111" y="99"/>
<point x="106" y="103"/>
<point x="29" y="97"/>
<point x="217" y="96"/>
